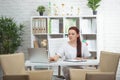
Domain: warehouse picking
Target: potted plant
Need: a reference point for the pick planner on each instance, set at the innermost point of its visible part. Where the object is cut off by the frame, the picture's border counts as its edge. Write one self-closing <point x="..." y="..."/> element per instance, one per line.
<point x="93" y="4"/>
<point x="10" y="35"/>
<point x="41" y="9"/>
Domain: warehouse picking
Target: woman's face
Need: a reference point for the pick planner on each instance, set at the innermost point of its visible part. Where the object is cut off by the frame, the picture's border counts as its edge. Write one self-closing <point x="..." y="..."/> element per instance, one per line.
<point x="72" y="35"/>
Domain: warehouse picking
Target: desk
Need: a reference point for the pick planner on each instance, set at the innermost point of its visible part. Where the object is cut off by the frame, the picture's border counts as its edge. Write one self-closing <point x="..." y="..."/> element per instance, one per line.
<point x="62" y="63"/>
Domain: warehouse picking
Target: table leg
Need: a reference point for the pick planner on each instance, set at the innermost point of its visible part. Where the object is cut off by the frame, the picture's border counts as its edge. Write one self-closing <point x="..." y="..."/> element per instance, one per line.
<point x="59" y="70"/>
<point x="59" y="73"/>
<point x="28" y="68"/>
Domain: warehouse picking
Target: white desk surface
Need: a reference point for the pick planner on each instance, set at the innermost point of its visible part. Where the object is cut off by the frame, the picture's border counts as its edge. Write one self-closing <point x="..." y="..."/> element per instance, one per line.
<point x="63" y="63"/>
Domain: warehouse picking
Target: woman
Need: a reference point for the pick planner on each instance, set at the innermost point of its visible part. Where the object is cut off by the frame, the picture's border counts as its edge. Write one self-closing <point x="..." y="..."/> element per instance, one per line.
<point x="73" y="49"/>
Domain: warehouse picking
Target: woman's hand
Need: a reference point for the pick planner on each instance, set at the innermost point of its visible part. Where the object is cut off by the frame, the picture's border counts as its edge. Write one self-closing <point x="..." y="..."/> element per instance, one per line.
<point x="51" y="59"/>
<point x="55" y="58"/>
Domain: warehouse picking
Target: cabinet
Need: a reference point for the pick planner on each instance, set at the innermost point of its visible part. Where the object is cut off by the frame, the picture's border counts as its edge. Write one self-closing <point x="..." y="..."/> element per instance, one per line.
<point x="44" y="28"/>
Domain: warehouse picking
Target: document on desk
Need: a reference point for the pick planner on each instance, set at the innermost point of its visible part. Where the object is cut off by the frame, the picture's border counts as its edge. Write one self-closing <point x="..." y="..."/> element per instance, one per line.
<point x="75" y="60"/>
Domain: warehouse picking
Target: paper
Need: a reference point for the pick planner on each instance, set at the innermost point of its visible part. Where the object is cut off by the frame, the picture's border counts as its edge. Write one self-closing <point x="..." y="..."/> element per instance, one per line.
<point x="75" y="60"/>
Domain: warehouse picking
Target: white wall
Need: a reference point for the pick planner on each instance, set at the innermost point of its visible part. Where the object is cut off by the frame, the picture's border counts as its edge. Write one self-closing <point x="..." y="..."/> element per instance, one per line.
<point x="111" y="25"/>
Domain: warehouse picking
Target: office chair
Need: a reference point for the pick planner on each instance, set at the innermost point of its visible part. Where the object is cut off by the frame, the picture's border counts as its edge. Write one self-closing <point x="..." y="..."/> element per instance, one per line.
<point x="14" y="69"/>
<point x="106" y="71"/>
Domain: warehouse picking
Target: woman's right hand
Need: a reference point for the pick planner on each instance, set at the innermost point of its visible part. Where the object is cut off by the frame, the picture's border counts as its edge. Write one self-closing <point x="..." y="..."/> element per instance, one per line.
<point x="55" y="58"/>
<point x="51" y="59"/>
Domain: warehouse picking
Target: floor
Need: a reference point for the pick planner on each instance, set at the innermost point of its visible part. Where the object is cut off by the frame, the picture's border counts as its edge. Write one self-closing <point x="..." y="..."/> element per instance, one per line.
<point x="56" y="78"/>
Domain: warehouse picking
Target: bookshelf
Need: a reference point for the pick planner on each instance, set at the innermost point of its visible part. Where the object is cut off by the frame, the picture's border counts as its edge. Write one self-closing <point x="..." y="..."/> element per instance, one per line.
<point x="88" y="30"/>
<point x="44" y="28"/>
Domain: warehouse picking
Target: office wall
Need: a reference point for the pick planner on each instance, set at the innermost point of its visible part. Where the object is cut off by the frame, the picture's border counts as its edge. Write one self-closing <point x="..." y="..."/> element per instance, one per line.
<point x="111" y="24"/>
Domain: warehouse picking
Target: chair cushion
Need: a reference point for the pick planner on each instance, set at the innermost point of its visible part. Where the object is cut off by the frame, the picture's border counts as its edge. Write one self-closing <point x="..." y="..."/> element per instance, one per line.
<point x="16" y="77"/>
<point x="40" y="75"/>
<point x="100" y="76"/>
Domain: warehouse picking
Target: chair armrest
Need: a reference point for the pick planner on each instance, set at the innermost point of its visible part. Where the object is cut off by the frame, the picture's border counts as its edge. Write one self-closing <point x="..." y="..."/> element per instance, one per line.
<point x="16" y="77"/>
<point x="100" y="76"/>
<point x="80" y="74"/>
<point x="40" y="75"/>
<point x="77" y="74"/>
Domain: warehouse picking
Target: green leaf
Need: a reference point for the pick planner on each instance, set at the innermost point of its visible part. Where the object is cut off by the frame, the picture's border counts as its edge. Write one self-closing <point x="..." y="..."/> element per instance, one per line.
<point x="93" y="4"/>
<point x="10" y="35"/>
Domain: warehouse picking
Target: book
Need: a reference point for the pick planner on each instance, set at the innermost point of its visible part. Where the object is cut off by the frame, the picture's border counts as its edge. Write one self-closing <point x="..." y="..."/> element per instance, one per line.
<point x="54" y="26"/>
<point x="94" y="26"/>
<point x="86" y="27"/>
<point x="36" y="44"/>
<point x="39" y="25"/>
<point x="69" y="23"/>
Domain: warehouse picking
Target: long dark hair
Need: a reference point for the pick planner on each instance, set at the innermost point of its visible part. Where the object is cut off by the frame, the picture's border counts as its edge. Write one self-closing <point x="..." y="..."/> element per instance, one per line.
<point x="79" y="50"/>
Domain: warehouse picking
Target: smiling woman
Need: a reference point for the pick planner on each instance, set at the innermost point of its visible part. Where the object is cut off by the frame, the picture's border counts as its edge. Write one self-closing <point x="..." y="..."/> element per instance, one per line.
<point x="10" y="35"/>
<point x="73" y="49"/>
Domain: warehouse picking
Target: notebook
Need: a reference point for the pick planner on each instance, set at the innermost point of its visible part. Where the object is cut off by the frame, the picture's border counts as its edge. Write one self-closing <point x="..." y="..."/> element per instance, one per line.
<point x="74" y="60"/>
<point x="38" y="55"/>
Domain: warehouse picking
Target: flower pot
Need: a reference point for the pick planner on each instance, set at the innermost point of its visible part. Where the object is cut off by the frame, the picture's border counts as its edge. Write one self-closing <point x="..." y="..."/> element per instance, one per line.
<point x="41" y="13"/>
<point x="94" y="12"/>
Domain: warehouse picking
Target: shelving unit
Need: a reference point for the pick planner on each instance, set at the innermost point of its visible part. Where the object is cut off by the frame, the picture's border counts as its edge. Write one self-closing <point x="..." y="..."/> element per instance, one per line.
<point x="88" y="29"/>
<point x="44" y="28"/>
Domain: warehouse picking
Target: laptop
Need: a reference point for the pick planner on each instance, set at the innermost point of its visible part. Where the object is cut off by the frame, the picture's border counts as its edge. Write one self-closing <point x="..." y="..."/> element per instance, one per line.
<point x="38" y="55"/>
